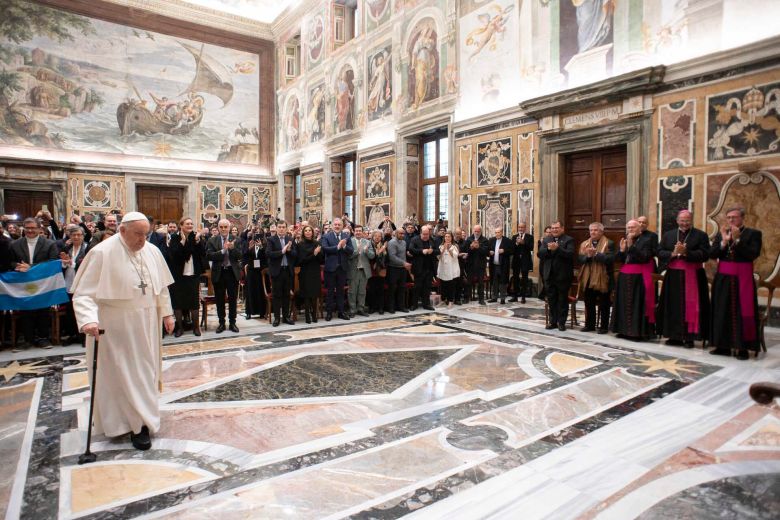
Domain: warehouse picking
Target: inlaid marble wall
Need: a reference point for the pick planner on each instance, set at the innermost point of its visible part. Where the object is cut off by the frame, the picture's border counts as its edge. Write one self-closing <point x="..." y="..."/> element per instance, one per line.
<point x="731" y="159"/>
<point x="495" y="178"/>
<point x="311" y="199"/>
<point x="238" y="203"/>
<point x="95" y="194"/>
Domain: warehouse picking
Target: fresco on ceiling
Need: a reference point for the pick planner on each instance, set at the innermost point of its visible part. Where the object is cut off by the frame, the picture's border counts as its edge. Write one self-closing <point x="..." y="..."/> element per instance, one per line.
<point x="87" y="85"/>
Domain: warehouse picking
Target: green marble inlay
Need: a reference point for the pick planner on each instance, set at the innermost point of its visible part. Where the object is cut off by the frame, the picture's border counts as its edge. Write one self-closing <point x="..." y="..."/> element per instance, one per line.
<point x="327" y="376"/>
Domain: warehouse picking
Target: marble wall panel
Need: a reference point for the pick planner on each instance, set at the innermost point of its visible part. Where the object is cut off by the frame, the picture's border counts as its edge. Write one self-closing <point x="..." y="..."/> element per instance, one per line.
<point x="237" y="203"/>
<point x="494" y="211"/>
<point x="237" y="198"/>
<point x="412" y="189"/>
<point x="262" y="200"/>
<point x="464" y="212"/>
<point x="525" y="208"/>
<point x="674" y="194"/>
<point x="94" y="194"/>
<point x="494" y="162"/>
<point x="676" y="134"/>
<point x="465" y="166"/>
<point x="525" y="157"/>
<point x="312" y="192"/>
<point x="744" y="123"/>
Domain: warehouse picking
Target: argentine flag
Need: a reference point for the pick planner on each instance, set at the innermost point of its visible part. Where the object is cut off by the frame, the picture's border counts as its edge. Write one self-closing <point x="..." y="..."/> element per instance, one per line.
<point x="40" y="287"/>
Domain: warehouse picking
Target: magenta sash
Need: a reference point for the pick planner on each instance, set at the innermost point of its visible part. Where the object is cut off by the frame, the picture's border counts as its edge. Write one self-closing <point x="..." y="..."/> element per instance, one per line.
<point x="744" y="273"/>
<point x="691" y="292"/>
<point x="646" y="270"/>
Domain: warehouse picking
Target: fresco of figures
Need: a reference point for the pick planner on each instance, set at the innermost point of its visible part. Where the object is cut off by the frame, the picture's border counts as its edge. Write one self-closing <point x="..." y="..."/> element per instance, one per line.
<point x="92" y="86"/>
<point x="380" y="83"/>
<point x="315" y="118"/>
<point x="344" y="88"/>
<point x="423" y="67"/>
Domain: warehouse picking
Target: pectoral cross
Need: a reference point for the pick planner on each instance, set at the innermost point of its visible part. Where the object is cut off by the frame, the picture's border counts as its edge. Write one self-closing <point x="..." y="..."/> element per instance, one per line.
<point x="143" y="285"/>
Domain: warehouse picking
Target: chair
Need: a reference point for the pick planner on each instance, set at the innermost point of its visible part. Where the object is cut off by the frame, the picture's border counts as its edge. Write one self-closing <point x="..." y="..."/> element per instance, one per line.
<point x="58" y="312"/>
<point x="763" y="317"/>
<point x="206" y="300"/>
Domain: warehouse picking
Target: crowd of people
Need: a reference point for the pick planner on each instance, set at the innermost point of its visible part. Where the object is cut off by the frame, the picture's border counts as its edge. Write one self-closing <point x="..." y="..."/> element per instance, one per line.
<point x="359" y="271"/>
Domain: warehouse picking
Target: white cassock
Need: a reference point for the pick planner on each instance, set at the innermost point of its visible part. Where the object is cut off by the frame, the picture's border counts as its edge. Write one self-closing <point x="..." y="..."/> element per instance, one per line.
<point x="106" y="291"/>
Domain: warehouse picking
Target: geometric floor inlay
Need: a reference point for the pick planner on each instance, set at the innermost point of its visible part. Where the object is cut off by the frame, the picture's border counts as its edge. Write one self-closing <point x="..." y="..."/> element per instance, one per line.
<point x="327" y="376"/>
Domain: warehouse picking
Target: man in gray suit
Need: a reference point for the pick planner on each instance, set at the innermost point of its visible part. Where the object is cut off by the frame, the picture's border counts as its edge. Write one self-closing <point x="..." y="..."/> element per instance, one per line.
<point x="33" y="248"/>
<point x="359" y="271"/>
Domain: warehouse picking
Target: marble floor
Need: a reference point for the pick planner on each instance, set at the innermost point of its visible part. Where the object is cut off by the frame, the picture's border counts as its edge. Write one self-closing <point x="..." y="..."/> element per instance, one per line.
<point x="470" y="412"/>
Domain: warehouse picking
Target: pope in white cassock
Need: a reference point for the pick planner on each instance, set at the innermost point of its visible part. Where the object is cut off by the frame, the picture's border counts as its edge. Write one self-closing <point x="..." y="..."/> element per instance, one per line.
<point x="122" y="288"/>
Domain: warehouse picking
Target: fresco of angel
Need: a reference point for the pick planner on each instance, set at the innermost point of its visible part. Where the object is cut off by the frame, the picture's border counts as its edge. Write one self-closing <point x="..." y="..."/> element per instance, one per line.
<point x="488" y="33"/>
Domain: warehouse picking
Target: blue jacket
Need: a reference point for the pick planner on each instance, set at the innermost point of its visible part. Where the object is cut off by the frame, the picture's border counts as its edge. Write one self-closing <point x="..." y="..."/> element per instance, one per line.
<point x="334" y="257"/>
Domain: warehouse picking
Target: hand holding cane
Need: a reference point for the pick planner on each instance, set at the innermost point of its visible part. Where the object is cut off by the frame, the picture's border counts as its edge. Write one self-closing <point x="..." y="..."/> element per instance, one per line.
<point x="88" y="456"/>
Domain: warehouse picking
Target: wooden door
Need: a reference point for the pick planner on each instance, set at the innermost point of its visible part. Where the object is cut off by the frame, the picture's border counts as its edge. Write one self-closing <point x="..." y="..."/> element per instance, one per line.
<point x="26" y="203"/>
<point x="596" y="192"/>
<point x="162" y="203"/>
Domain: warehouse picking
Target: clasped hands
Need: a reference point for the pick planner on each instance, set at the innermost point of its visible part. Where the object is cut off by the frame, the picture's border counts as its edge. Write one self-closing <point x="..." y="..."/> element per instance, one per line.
<point x="680" y="249"/>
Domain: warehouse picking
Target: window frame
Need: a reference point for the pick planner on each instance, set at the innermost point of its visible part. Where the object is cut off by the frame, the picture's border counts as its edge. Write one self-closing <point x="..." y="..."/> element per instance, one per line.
<point x="440" y="177"/>
<point x="349" y="193"/>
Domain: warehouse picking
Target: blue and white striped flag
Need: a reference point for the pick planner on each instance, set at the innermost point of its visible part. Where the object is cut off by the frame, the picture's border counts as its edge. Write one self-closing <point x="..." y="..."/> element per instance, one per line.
<point x="40" y="287"/>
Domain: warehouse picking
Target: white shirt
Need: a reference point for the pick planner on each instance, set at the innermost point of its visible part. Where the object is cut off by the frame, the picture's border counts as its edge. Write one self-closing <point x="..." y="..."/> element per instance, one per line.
<point x="496" y="259"/>
<point x="31" y="247"/>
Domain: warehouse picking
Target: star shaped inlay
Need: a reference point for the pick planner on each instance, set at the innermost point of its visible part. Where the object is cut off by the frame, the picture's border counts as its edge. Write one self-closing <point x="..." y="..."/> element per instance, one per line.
<point x="671" y="365"/>
<point x="12" y="369"/>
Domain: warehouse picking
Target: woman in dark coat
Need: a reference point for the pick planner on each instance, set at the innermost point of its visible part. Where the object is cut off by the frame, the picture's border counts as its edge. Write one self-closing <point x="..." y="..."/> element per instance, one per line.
<point x="187" y="253"/>
<point x="254" y="262"/>
<point x="310" y="257"/>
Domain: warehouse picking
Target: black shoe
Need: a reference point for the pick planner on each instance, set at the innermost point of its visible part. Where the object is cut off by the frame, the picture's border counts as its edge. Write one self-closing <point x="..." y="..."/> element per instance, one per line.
<point x="512" y="300"/>
<point x="674" y="342"/>
<point x="344" y="316"/>
<point x="364" y="314"/>
<point x="381" y="312"/>
<point x="492" y="300"/>
<point x="41" y="343"/>
<point x="720" y="352"/>
<point x="412" y="308"/>
<point x="76" y="338"/>
<point x="196" y="332"/>
<point x="482" y="302"/>
<point x="308" y="318"/>
<point x="314" y="318"/>
<point x="389" y="312"/>
<point x="588" y="329"/>
<point x="522" y="300"/>
<point x="428" y="308"/>
<point x="288" y="321"/>
<point x="562" y="328"/>
<point x="743" y="354"/>
<point x="141" y="441"/>
<point x="276" y="322"/>
<point x="249" y="316"/>
<point x="550" y="326"/>
<point x="603" y="331"/>
<point x="503" y="301"/>
<point x="329" y="316"/>
<point x="221" y="328"/>
<point x="403" y="310"/>
<point x="178" y="332"/>
<point x="688" y="344"/>
<point x="233" y="327"/>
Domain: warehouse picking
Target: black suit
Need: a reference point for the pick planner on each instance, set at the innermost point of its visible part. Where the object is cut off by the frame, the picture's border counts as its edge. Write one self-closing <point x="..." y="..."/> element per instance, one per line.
<point x="423" y="268"/>
<point x="281" y="275"/>
<point x="224" y="277"/>
<point x="499" y="273"/>
<point x="558" y="274"/>
<point x="34" y="324"/>
<point x="476" y="263"/>
<point x="522" y="263"/>
<point x="5" y="253"/>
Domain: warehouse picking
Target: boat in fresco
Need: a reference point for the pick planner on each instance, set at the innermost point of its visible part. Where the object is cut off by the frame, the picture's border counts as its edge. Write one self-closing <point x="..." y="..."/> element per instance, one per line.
<point x="182" y="116"/>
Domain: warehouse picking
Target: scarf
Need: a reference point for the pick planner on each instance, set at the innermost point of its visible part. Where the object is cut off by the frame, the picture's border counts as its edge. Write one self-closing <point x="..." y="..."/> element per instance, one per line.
<point x="593" y="275"/>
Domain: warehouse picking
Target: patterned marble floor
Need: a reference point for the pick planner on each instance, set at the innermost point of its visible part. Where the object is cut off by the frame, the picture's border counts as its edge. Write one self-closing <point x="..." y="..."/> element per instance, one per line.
<point x="474" y="412"/>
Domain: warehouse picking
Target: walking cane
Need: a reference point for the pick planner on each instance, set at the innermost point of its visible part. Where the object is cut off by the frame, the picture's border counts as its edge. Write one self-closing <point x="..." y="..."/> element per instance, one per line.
<point x="88" y="456"/>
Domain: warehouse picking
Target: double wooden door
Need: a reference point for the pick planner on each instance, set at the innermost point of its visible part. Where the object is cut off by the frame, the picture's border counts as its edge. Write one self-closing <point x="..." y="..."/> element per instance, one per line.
<point x="596" y="192"/>
<point x="160" y="202"/>
<point x="27" y="203"/>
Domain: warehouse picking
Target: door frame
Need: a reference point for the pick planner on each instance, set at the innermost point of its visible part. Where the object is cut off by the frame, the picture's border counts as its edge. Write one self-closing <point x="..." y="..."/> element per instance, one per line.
<point x="189" y="202"/>
<point x="57" y="187"/>
<point x="635" y="133"/>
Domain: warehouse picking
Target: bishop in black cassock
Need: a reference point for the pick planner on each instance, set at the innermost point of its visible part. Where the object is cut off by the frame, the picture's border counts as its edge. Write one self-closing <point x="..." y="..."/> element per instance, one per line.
<point x="633" y="314"/>
<point x="684" y="308"/>
<point x="734" y="299"/>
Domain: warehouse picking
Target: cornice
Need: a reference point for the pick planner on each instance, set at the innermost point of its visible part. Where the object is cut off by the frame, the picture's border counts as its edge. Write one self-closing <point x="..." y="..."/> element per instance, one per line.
<point x="485" y="121"/>
<point x="643" y="81"/>
<point x="194" y="13"/>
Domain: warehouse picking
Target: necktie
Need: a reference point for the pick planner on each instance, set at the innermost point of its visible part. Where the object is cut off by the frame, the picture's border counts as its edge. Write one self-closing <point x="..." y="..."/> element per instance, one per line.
<point x="284" y="256"/>
<point x="226" y="259"/>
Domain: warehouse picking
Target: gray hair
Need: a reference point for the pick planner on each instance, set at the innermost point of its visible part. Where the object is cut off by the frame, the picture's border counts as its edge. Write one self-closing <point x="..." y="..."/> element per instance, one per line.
<point x="737" y="208"/>
<point x="73" y="228"/>
<point x="598" y="225"/>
